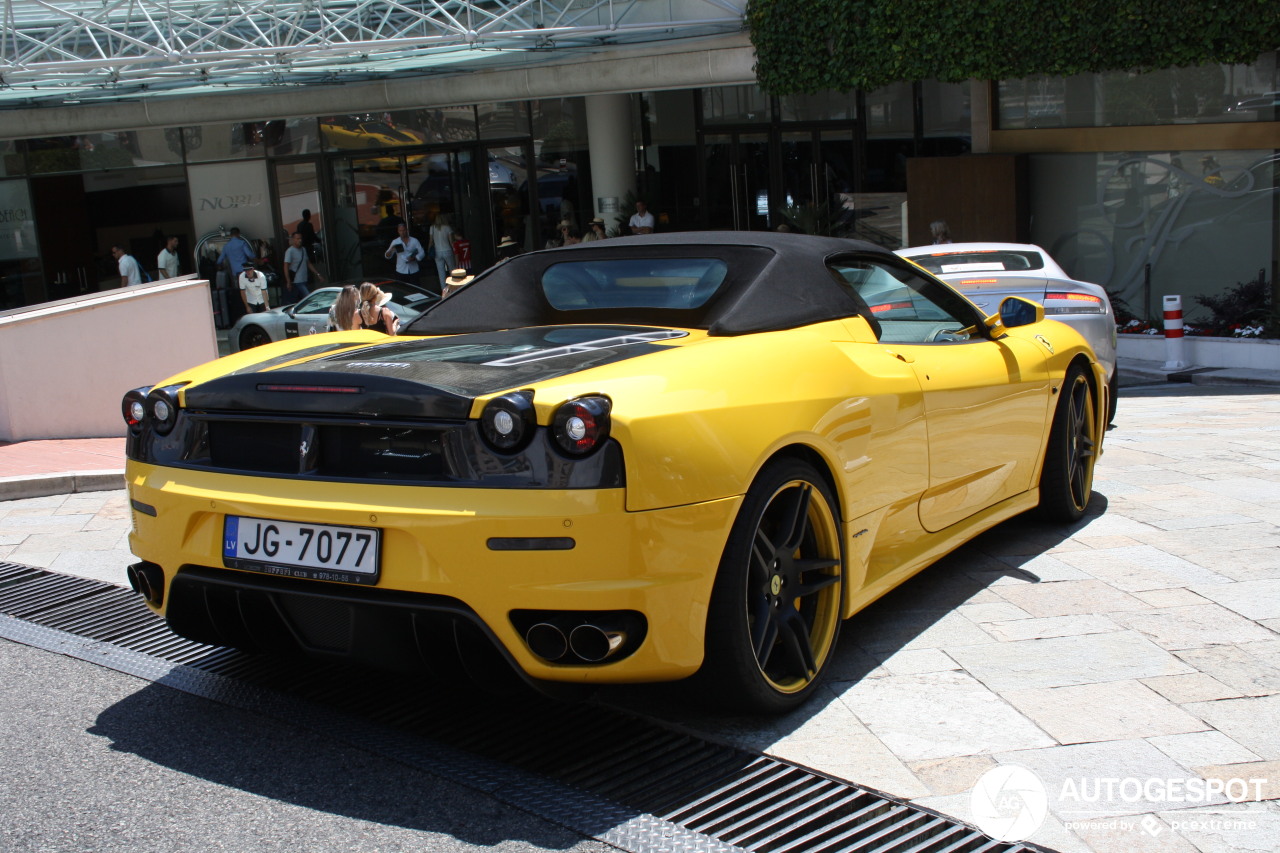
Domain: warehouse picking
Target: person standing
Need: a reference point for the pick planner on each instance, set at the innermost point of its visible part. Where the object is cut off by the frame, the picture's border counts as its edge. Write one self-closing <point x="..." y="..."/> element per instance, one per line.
<point x="508" y="248"/>
<point x="374" y="313"/>
<point x="299" y="271"/>
<point x="408" y="252"/>
<point x="130" y="271"/>
<point x="344" y="314"/>
<point x="167" y="260"/>
<point x="940" y="231"/>
<point x="253" y="290"/>
<point x="462" y="250"/>
<point x="308" y="232"/>
<point x="441" y="237"/>
<point x="641" y="221"/>
<point x="236" y="253"/>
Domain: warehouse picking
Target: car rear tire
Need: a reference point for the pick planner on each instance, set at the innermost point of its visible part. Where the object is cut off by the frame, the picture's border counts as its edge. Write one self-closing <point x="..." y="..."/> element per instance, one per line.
<point x="253" y="336"/>
<point x="776" y="605"/>
<point x="1066" y="483"/>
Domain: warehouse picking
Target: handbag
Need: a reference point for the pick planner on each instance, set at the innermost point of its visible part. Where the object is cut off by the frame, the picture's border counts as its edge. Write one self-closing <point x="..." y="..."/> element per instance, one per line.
<point x="431" y="251"/>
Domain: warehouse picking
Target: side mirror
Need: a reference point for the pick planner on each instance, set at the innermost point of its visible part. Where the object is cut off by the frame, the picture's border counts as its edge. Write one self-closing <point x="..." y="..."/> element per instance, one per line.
<point x="1016" y="311"/>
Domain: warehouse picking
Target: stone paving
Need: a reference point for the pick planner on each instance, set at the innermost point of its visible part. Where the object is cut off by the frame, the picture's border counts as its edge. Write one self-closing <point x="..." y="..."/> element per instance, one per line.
<point x="1124" y="660"/>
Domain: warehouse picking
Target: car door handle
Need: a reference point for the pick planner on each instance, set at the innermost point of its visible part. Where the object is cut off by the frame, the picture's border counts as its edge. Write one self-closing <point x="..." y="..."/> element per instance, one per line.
<point x="900" y="356"/>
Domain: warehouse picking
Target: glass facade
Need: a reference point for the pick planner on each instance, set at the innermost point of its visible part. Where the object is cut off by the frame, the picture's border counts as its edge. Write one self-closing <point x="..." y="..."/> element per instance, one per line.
<point x="19" y="251"/>
<point x="1149" y="224"/>
<point x="1197" y="95"/>
<point x="1143" y="223"/>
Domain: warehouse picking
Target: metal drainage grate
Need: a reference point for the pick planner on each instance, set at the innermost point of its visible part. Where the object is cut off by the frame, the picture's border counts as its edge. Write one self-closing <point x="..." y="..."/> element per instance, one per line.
<point x="622" y="779"/>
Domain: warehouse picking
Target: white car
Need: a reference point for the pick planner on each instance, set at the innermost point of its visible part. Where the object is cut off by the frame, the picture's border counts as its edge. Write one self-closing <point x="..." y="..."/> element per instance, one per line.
<point x="311" y="315"/>
<point x="988" y="272"/>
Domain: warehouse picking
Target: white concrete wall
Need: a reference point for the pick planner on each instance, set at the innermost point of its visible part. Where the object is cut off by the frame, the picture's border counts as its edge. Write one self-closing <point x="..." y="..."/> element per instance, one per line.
<point x="64" y="366"/>
<point x="1204" y="352"/>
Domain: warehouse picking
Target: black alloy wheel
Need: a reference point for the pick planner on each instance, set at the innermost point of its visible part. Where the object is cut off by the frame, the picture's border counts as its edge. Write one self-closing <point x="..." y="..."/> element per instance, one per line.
<point x="776" y="607"/>
<point x="253" y="336"/>
<point x="1066" y="483"/>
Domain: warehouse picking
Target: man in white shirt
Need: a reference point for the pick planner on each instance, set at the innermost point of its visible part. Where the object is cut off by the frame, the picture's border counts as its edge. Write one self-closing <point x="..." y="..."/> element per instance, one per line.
<point x="253" y="290"/>
<point x="408" y="252"/>
<point x="641" y="221"/>
<point x="130" y="272"/>
<point x="167" y="260"/>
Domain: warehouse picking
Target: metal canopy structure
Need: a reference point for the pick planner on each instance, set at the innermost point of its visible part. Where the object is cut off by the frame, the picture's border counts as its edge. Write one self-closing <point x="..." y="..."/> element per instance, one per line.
<point x="80" y="51"/>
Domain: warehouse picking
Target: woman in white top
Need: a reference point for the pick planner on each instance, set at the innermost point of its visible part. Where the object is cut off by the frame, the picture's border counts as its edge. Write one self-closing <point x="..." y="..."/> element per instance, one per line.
<point x="441" y="237"/>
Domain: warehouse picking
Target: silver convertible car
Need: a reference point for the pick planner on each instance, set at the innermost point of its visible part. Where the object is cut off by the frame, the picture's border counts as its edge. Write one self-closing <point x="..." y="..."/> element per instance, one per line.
<point x="310" y="316"/>
<point x="988" y="272"/>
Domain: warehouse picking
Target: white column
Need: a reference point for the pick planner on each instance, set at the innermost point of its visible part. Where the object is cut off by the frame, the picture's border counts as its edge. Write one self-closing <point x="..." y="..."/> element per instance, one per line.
<point x="613" y="170"/>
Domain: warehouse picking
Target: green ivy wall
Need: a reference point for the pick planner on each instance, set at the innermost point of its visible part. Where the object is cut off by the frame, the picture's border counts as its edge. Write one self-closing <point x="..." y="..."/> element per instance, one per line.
<point x="805" y="46"/>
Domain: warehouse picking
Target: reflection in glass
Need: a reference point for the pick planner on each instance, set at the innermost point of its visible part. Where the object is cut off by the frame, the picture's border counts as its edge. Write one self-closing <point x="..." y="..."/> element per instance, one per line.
<point x="364" y="133"/>
<point x="235" y="141"/>
<point x="948" y="126"/>
<point x="20" y="271"/>
<point x="1204" y="221"/>
<point x="502" y="120"/>
<point x="1194" y="95"/>
<point x="735" y="105"/>
<point x="562" y="169"/>
<point x="824" y="106"/>
<point x="737" y="169"/>
<point x="668" y="163"/>
<point x="509" y="198"/>
<point x="298" y="188"/>
<point x="367" y="211"/>
<point x="11" y="158"/>
<point x="292" y="136"/>
<point x="890" y="122"/>
<point x="92" y="151"/>
<point x="437" y="124"/>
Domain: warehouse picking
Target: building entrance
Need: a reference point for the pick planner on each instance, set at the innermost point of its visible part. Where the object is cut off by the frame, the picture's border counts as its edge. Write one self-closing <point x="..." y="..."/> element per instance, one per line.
<point x="476" y="192"/>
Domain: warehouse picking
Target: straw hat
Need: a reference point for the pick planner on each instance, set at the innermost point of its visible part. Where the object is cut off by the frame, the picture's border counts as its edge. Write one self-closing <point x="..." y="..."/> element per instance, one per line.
<point x="506" y="241"/>
<point x="458" y="277"/>
<point x="457" y="280"/>
<point x="597" y="221"/>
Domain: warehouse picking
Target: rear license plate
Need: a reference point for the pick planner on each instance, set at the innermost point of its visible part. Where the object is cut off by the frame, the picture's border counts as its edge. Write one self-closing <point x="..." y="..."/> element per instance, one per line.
<point x="325" y="552"/>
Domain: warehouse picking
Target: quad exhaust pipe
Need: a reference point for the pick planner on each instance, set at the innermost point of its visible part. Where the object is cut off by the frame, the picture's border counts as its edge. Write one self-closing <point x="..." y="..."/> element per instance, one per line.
<point x="547" y="641"/>
<point x="587" y="642"/>
<point x="594" y="644"/>
<point x="147" y="579"/>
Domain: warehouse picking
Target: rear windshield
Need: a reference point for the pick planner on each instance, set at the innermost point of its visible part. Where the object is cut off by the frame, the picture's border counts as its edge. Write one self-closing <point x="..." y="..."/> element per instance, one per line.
<point x="680" y="283"/>
<point x="1000" y="260"/>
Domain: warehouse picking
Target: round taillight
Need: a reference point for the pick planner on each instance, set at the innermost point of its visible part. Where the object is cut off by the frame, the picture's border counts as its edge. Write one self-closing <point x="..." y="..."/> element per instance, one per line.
<point x="162" y="403"/>
<point x="581" y="425"/>
<point x="134" y="408"/>
<point x="508" y="422"/>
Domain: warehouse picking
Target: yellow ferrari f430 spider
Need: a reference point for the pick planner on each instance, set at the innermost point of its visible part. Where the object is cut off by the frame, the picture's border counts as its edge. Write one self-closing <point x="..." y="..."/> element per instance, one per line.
<point x="625" y="461"/>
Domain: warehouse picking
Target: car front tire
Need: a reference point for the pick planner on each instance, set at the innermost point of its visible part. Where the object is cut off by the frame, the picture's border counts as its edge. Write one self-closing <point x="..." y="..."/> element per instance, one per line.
<point x="775" y="609"/>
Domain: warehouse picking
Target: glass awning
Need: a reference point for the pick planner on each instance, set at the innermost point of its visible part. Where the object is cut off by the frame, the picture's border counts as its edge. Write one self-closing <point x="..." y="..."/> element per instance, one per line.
<point x="82" y="51"/>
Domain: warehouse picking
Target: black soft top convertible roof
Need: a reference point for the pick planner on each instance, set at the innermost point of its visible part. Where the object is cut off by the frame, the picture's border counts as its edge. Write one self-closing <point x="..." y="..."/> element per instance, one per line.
<point x="775" y="281"/>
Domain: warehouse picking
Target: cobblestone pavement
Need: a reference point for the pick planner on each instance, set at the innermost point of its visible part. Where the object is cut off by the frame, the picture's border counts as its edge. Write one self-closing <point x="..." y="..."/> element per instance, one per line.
<point x="1131" y="661"/>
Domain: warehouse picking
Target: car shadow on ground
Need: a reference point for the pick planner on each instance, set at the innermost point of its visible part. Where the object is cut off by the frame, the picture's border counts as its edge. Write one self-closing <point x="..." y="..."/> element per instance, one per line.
<point x="302" y="766"/>
<point x="923" y="612"/>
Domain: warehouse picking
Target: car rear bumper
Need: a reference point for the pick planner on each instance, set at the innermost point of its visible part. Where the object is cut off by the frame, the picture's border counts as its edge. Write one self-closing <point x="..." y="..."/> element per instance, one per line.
<point x="471" y="555"/>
